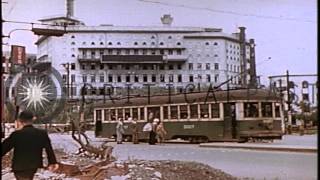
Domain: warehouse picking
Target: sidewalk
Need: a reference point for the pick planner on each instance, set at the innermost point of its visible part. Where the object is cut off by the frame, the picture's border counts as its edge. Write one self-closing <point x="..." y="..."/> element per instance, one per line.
<point x="290" y="143"/>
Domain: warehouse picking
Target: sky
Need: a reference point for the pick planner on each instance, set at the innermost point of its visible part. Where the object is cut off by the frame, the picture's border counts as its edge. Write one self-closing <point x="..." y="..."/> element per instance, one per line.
<point x="285" y="31"/>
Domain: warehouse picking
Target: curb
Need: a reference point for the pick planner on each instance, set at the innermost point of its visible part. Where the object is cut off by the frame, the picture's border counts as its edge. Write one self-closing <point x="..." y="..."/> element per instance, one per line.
<point x="263" y="148"/>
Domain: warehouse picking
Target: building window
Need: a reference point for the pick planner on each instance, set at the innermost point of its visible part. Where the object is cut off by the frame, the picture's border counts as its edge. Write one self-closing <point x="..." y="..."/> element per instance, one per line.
<point x="161" y="51"/>
<point x="207" y="43"/>
<point x="161" y="43"/>
<point x="102" y="78"/>
<point x="93" y="78"/>
<point x="83" y="67"/>
<point x="153" y="43"/>
<point x="83" y="43"/>
<point x="73" y="66"/>
<point x="144" y="43"/>
<point x="179" y="52"/>
<point x="73" y="43"/>
<point x="216" y="66"/>
<point x="128" y="78"/>
<point x="118" y="52"/>
<point x="110" y="43"/>
<point x="136" y="52"/>
<point x="227" y="67"/>
<point x="179" y="66"/>
<point x="199" y="77"/>
<point x="144" y="51"/>
<point x="92" y="43"/>
<point x="207" y="66"/>
<point x="101" y="66"/>
<point x="161" y="67"/>
<point x="110" y="51"/>
<point x="171" y="67"/>
<point x="101" y="43"/>
<point x="72" y="36"/>
<point x="136" y="78"/>
<point x="118" y="43"/>
<point x="215" y="43"/>
<point x="110" y="78"/>
<point x="101" y="53"/>
<point x="144" y="67"/>
<point x="170" y="52"/>
<point x="93" y="66"/>
<point x="84" y="78"/>
<point x="170" y="77"/>
<point x="153" y="78"/>
<point x="191" y="78"/>
<point x="178" y="43"/>
<point x="199" y="66"/>
<point x="216" y="55"/>
<point x="110" y="66"/>
<point x="153" y="52"/>
<point x="179" y="78"/>
<point x="162" y="78"/>
<point x="119" y="78"/>
<point x="135" y="43"/>
<point x="145" y="78"/>
<point x="169" y="37"/>
<point x="190" y="66"/>
<point x="73" y="55"/>
<point x="208" y="78"/>
<point x="152" y="37"/>
<point x="93" y="54"/>
<point x="216" y="78"/>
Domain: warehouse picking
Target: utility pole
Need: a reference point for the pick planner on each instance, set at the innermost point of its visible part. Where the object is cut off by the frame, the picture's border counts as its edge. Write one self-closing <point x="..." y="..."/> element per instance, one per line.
<point x="288" y="99"/>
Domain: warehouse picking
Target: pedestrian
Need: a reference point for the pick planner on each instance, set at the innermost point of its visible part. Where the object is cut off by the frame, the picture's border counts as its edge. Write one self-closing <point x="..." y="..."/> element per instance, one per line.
<point x="153" y="134"/>
<point x="119" y="131"/>
<point x="301" y="127"/>
<point x="28" y="143"/>
<point x="135" y="131"/>
<point x="161" y="132"/>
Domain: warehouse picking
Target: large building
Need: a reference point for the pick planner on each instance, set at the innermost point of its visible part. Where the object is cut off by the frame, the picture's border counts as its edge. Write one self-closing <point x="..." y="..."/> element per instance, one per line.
<point x="155" y="56"/>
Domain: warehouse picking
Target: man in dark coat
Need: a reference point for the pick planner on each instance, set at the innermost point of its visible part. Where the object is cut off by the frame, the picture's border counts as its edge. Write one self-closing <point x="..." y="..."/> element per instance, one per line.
<point x="27" y="143"/>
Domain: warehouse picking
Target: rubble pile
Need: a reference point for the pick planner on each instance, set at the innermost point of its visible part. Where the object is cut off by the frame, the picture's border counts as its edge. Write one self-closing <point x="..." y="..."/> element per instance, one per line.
<point x="75" y="167"/>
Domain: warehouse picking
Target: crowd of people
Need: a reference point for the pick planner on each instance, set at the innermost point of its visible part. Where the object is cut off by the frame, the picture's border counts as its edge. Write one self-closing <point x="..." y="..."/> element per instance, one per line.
<point x="154" y="127"/>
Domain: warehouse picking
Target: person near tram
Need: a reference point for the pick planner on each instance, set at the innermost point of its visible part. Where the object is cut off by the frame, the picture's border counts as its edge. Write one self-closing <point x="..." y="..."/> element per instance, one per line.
<point x="120" y="131"/>
<point x="153" y="133"/>
<point x="161" y="132"/>
<point x="135" y="131"/>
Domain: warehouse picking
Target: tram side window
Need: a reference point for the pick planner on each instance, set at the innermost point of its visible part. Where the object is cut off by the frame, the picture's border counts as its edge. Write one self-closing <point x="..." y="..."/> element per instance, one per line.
<point x="165" y="112"/>
<point x="277" y="110"/>
<point x="107" y="114"/>
<point x="266" y="109"/>
<point x="142" y="113"/>
<point x="204" y="110"/>
<point x="174" y="112"/>
<point x="251" y="110"/>
<point x="127" y="113"/>
<point x="120" y="113"/>
<point x="134" y="113"/>
<point x="155" y="111"/>
<point x="215" y="111"/>
<point x="194" y="111"/>
<point x="184" y="112"/>
<point x="113" y="114"/>
<point x="98" y="115"/>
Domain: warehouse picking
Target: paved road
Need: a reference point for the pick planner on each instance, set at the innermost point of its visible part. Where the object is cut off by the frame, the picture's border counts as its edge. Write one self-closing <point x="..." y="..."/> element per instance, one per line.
<point x="240" y="163"/>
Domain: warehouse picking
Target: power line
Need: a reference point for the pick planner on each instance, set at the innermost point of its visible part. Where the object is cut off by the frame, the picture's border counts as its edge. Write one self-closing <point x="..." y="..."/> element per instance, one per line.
<point x="228" y="12"/>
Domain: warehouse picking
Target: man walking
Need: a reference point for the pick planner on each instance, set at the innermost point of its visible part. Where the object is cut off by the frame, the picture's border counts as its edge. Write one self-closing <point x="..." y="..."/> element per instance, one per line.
<point x="27" y="143"/>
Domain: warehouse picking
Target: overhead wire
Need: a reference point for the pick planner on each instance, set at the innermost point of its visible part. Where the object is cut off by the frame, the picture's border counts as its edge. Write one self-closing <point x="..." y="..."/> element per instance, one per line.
<point x="228" y="12"/>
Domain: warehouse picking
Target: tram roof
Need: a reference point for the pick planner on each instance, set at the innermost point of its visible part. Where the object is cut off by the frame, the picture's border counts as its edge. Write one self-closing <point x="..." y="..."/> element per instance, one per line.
<point x="211" y="96"/>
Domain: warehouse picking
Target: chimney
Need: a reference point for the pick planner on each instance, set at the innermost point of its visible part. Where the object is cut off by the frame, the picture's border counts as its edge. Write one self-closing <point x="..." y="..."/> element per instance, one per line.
<point x="242" y="40"/>
<point x="252" y="71"/>
<point x="70" y="12"/>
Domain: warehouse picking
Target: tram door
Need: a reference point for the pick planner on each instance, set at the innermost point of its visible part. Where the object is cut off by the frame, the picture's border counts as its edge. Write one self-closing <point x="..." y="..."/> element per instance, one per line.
<point x="229" y="111"/>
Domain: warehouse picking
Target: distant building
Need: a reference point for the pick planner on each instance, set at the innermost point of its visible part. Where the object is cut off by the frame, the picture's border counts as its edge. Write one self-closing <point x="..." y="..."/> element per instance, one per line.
<point x="154" y="55"/>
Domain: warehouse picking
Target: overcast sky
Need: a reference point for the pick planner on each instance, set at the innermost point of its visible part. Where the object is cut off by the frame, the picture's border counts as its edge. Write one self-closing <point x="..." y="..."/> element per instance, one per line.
<point x="284" y="30"/>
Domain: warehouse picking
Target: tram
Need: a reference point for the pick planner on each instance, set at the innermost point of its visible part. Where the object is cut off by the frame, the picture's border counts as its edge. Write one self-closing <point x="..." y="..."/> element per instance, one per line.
<point x="225" y="115"/>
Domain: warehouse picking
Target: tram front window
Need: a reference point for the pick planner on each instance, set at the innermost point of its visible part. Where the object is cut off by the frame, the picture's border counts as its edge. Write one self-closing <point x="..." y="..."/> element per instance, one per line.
<point x="266" y="109"/>
<point x="251" y="110"/>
